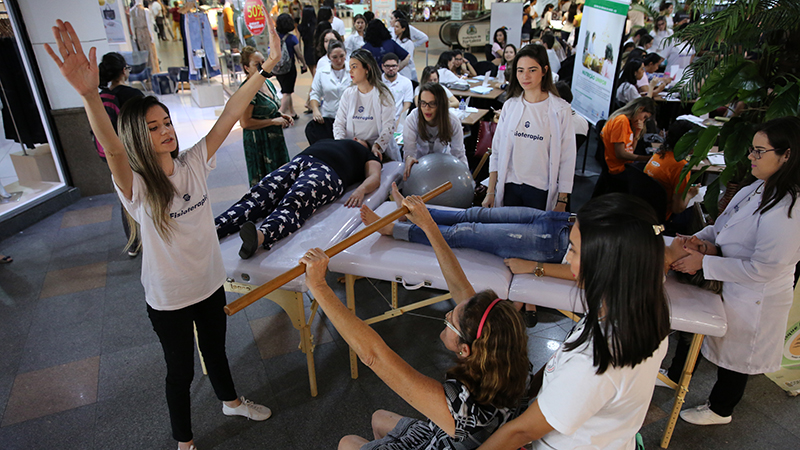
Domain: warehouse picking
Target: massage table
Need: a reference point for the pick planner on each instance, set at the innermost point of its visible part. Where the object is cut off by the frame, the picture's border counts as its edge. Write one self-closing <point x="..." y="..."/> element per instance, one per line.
<point x="692" y="309"/>
<point x="327" y="226"/>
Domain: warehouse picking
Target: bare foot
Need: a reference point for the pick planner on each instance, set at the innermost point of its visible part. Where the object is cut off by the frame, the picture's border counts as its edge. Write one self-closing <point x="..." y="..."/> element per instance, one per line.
<point x="260" y="235"/>
<point x="397" y="196"/>
<point x="369" y="217"/>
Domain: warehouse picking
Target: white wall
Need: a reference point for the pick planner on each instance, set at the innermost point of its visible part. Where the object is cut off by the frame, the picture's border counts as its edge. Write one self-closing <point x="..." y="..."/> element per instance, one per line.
<point x="39" y="16"/>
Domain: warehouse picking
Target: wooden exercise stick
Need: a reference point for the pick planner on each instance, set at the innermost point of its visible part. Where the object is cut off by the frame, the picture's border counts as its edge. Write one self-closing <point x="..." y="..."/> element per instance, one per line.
<point x="266" y="288"/>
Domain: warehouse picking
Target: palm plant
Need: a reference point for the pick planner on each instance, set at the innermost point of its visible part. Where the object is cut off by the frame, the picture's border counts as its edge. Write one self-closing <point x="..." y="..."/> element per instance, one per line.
<point x="747" y="52"/>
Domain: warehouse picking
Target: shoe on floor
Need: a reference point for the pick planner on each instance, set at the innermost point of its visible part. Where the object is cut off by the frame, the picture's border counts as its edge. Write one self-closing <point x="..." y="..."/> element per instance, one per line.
<point x="249" y="235"/>
<point x="248" y="409"/>
<point x="531" y="319"/>
<point x="192" y="447"/>
<point x="660" y="383"/>
<point x="703" y="415"/>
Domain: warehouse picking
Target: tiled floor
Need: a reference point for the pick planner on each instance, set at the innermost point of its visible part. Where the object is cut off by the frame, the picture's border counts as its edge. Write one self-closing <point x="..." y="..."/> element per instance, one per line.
<point x="81" y="368"/>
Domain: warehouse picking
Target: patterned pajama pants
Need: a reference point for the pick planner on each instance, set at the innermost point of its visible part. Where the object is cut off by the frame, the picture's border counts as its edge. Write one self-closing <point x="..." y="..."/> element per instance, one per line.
<point x="285" y="199"/>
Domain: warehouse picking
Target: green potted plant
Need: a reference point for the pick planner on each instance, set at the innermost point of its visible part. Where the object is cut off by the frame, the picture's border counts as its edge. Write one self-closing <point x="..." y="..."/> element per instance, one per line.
<point x="748" y="52"/>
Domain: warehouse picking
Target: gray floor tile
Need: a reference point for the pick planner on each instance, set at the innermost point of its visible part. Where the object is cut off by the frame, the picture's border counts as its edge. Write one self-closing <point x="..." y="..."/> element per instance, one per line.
<point x="133" y="370"/>
<point x="135" y="421"/>
<point x="68" y="430"/>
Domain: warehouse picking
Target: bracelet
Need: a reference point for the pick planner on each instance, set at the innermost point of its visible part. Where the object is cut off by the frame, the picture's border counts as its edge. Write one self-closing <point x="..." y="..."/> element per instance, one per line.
<point x="561" y="201"/>
<point x="263" y="72"/>
<point x="490" y="193"/>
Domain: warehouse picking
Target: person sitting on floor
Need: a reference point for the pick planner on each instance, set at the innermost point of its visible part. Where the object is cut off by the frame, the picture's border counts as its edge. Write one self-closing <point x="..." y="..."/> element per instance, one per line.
<point x="488" y="385"/>
<point x="287" y="197"/>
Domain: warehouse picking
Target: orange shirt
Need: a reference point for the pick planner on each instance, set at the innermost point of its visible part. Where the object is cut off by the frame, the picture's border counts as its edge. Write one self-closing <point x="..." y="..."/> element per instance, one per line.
<point x="667" y="171"/>
<point x="228" y="16"/>
<point x="617" y="130"/>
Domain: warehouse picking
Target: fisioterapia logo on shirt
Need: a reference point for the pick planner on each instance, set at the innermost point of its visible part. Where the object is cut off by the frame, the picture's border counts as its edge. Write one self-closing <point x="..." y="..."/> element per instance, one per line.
<point x="533" y="137"/>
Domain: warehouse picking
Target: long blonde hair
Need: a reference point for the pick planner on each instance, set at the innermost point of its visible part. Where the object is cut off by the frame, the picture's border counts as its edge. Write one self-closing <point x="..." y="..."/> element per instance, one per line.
<point x="374" y="75"/>
<point x="135" y="136"/>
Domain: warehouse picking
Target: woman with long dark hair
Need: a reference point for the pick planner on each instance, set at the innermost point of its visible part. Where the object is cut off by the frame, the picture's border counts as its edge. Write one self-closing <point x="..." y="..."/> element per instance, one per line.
<point x="323" y="41"/>
<point x="627" y="89"/>
<point x="597" y="387"/>
<point x="378" y="41"/>
<point x="486" y="387"/>
<point x="356" y="40"/>
<point x="167" y="194"/>
<point x="308" y="25"/>
<point x="500" y="42"/>
<point x="285" y="25"/>
<point x="752" y="248"/>
<point x="533" y="158"/>
<point x="366" y="109"/>
<point x="402" y="36"/>
<point x="432" y="128"/>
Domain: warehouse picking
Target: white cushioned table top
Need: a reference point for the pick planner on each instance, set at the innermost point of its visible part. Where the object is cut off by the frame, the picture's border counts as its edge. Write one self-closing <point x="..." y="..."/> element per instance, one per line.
<point x="385" y="258"/>
<point x="692" y="309"/>
<point x="329" y="225"/>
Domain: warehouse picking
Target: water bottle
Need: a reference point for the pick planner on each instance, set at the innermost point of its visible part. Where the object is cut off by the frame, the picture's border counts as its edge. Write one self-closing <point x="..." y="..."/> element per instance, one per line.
<point x="462" y="105"/>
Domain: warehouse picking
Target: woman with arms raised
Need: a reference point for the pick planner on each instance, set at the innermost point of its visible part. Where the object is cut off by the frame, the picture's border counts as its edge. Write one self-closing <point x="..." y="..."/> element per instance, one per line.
<point x="167" y="194"/>
<point x="488" y="384"/>
<point x="597" y="387"/>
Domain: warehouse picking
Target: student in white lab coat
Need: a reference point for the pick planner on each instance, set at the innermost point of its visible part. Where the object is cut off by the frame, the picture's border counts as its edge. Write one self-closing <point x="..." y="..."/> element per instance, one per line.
<point x="326" y="89"/>
<point x="752" y="248"/>
<point x="533" y="158"/>
<point x="596" y="388"/>
<point x="366" y="109"/>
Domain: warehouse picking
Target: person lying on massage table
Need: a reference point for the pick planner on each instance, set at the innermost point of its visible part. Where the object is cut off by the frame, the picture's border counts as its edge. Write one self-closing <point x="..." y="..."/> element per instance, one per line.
<point x="288" y="196"/>
<point x="489" y="384"/>
<point x="530" y="240"/>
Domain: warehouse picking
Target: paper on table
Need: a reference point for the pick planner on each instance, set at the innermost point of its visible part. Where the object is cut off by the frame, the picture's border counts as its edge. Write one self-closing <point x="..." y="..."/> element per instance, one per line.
<point x="481" y="89"/>
<point x="716" y="160"/>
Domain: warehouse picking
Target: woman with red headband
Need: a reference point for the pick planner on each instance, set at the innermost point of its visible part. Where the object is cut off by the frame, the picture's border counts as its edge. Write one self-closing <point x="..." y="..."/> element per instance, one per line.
<point x="487" y="387"/>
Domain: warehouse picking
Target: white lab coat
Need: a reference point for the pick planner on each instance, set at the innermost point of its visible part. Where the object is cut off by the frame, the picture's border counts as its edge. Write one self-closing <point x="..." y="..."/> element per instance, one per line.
<point x="327" y="90"/>
<point x="562" y="147"/>
<point x="384" y="112"/>
<point x="757" y="270"/>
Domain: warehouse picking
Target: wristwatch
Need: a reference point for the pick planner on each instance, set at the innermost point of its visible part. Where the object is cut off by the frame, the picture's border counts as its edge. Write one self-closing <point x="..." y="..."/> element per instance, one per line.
<point x="263" y="72"/>
<point x="539" y="270"/>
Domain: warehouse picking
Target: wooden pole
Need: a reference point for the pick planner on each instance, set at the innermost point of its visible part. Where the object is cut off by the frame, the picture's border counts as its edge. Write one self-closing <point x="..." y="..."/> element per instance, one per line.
<point x="263" y="290"/>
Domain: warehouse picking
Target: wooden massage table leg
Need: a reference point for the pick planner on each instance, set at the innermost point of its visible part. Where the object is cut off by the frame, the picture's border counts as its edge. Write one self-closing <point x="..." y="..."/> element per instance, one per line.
<point x="682" y="387"/>
<point x="349" y="283"/>
<point x="292" y="303"/>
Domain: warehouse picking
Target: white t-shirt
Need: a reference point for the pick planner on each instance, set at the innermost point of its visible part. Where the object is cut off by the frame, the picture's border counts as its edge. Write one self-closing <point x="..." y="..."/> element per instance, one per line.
<point x="338" y="25"/>
<point x="530" y="155"/>
<point x="555" y="63"/>
<point x="580" y="124"/>
<point x="403" y="91"/>
<point x="591" y="411"/>
<point x="414" y="146"/>
<point x="189" y="268"/>
<point x="409" y="71"/>
<point x="627" y="92"/>
<point x="155" y="9"/>
<point x="447" y="76"/>
<point x="353" y="42"/>
<point x="365" y="123"/>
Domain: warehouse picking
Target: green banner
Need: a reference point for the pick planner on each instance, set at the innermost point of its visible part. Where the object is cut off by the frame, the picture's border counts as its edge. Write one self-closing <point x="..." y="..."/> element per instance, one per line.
<point x="610" y="6"/>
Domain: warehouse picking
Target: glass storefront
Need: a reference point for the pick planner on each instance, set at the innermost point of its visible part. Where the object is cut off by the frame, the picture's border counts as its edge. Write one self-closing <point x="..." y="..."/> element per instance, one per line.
<point x="30" y="168"/>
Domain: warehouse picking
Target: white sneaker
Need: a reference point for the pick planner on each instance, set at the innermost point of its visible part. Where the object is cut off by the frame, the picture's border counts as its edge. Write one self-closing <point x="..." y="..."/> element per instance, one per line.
<point x="192" y="447"/>
<point x="248" y="409"/>
<point x="703" y="415"/>
<point x="660" y="383"/>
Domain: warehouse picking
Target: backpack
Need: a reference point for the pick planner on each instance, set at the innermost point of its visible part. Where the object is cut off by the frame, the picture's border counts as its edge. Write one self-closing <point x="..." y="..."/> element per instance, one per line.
<point x="284" y="66"/>
<point x="111" y="104"/>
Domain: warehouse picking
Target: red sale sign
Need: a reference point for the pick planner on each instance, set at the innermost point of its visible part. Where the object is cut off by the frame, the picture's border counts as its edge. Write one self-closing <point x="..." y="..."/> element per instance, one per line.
<point x="255" y="17"/>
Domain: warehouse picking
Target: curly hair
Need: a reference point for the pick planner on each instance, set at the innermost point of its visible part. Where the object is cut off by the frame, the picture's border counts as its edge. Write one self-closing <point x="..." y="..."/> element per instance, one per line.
<point x="376" y="33"/>
<point x="496" y="370"/>
<point x="320" y="47"/>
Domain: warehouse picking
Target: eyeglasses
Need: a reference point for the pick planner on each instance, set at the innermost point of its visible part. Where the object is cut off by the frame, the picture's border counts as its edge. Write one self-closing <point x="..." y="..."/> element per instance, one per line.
<point x="758" y="153"/>
<point x="423" y="104"/>
<point x="453" y="327"/>
<point x="127" y="67"/>
<point x="390" y="66"/>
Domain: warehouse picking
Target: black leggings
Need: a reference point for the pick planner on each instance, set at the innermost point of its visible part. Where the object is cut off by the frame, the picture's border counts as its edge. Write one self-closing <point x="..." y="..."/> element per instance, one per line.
<point x="727" y="391"/>
<point x="176" y="333"/>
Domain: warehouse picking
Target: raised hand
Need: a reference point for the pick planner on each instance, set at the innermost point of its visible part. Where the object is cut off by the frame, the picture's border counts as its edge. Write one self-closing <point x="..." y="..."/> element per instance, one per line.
<point x="80" y="72"/>
<point x="274" y="54"/>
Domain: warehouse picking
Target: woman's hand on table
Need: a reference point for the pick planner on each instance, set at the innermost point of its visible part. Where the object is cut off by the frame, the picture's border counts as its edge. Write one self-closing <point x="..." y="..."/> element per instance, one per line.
<point x="356" y="198"/>
<point x="410" y="161"/>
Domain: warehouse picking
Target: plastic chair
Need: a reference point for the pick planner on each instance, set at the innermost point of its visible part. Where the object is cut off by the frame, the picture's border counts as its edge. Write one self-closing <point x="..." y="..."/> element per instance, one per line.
<point x="139" y="70"/>
<point x="485" y="66"/>
<point x="471" y="58"/>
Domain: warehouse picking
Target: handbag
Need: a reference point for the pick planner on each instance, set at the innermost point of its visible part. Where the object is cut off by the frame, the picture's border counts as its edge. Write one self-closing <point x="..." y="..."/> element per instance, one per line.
<point x="483" y="149"/>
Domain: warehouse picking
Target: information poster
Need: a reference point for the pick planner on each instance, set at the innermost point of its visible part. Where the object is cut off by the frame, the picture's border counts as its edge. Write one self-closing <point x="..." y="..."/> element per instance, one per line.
<point x="508" y="15"/>
<point x="596" y="62"/>
<point x="456" y="8"/>
<point x="383" y="9"/>
<point x="112" y="21"/>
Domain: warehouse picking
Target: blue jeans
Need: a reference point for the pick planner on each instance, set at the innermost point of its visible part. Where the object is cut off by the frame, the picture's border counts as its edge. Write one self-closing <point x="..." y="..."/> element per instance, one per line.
<point x="508" y="232"/>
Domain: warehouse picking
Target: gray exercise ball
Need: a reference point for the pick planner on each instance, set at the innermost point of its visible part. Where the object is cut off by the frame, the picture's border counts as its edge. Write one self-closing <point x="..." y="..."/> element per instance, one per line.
<point x="438" y="168"/>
